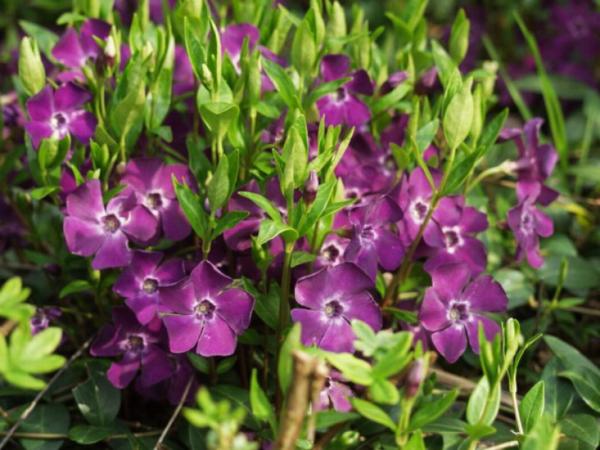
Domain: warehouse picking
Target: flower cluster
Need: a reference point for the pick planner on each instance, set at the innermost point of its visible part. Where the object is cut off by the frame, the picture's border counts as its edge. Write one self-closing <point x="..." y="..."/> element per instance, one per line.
<point x="217" y="195"/>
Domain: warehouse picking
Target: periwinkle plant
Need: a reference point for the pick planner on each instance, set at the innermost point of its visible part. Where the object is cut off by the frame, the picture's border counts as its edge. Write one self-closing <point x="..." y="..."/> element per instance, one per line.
<point x="257" y="195"/>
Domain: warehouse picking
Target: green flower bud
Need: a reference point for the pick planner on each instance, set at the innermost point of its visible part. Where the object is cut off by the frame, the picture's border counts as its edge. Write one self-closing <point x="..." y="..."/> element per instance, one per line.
<point x="304" y="49"/>
<point x="459" y="37"/>
<point x="478" y="112"/>
<point x="491" y="67"/>
<point x="31" y="70"/>
<point x="336" y="27"/>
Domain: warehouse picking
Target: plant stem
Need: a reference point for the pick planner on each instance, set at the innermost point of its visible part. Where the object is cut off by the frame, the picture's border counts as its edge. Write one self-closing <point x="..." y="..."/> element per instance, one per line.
<point x="508" y="444"/>
<point x="171" y="421"/>
<point x="515" y="401"/>
<point x="25" y="414"/>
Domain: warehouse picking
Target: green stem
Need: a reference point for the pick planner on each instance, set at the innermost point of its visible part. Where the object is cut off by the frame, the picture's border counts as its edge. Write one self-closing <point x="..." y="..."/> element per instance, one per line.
<point x="284" y="307"/>
<point x="515" y="401"/>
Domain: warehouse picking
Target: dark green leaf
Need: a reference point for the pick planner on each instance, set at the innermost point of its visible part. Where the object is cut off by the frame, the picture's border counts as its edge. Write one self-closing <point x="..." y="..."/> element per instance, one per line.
<point x="98" y="400"/>
<point x="89" y="434"/>
<point x="532" y="406"/>
<point x="432" y="410"/>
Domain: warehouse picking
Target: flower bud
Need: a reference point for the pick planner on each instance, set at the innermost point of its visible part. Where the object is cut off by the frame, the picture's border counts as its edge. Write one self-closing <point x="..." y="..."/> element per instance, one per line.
<point x="311" y="187"/>
<point x="337" y="25"/>
<point x="31" y="69"/>
<point x="414" y="378"/>
<point x="304" y="50"/>
<point x="206" y="77"/>
<point x="491" y="67"/>
<point x="459" y="38"/>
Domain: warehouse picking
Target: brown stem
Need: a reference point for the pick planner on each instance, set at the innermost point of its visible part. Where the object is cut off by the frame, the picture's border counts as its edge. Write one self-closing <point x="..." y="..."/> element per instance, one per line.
<point x="171" y="421"/>
<point x="319" y="378"/>
<point x="297" y="401"/>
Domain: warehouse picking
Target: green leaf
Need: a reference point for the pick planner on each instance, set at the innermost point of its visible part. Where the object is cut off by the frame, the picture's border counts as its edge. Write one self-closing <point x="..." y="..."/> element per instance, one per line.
<point x="299" y="258"/>
<point x="264" y="204"/>
<point x="582" y="427"/>
<point x="328" y="418"/>
<point x="543" y="436"/>
<point x="532" y="406"/>
<point x="42" y="344"/>
<point x="373" y="413"/>
<point x="229" y="220"/>
<point x="318" y="207"/>
<point x="218" y="187"/>
<point x="416" y="442"/>
<point x="45" y="38"/>
<point x="42" y="192"/>
<point x="391" y="99"/>
<point x="459" y="37"/>
<point x="98" y="400"/>
<point x="225" y="365"/>
<point x="569" y="356"/>
<point x="89" y="434"/>
<point x="282" y="82"/>
<point x="127" y="113"/>
<point x="269" y="230"/>
<point x="193" y="209"/>
<point x="259" y="402"/>
<point x="476" y="406"/>
<point x="284" y="366"/>
<point x="75" y="287"/>
<point x="587" y="386"/>
<point x="426" y="134"/>
<point x="354" y="369"/>
<point x="324" y="89"/>
<point x="432" y="410"/>
<point x="52" y="418"/>
<point x="383" y="391"/>
<point x="200" y="363"/>
<point x="218" y="117"/>
<point x="458" y="117"/>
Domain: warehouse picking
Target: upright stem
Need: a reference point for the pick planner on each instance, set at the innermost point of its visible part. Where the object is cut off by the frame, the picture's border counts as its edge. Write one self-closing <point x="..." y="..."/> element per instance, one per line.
<point x="284" y="308"/>
<point x="515" y="401"/>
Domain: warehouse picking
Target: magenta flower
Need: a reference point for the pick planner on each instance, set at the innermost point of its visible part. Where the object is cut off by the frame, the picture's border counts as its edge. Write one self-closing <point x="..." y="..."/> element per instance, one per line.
<point x="183" y="74"/>
<point x="206" y="312"/>
<point x="333" y="297"/>
<point x="73" y="50"/>
<point x="232" y="39"/>
<point x="413" y="195"/>
<point x="452" y="239"/>
<point x="92" y="229"/>
<point x="342" y="106"/>
<point x="54" y="114"/>
<point x="455" y="305"/>
<point x="528" y="223"/>
<point x="43" y="318"/>
<point x="332" y="251"/>
<point x="335" y="394"/>
<point x="151" y="182"/>
<point x="373" y="244"/>
<point x="142" y="281"/>
<point x="139" y="347"/>
<point x="535" y="164"/>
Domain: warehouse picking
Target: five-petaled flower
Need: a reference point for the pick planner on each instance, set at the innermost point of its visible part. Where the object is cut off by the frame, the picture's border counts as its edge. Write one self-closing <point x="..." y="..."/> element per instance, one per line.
<point x="90" y="228"/>
<point x="54" y="114"/>
<point x="205" y="312"/>
<point x="332" y="297"/>
<point x="142" y="281"/>
<point x="139" y="347"/>
<point x="456" y="304"/>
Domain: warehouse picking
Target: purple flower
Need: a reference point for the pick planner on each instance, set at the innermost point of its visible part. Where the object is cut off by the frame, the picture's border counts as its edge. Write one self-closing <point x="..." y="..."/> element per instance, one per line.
<point x="54" y="114"/>
<point x="142" y="281"/>
<point x="139" y="347"/>
<point x="335" y="394"/>
<point x="232" y="39"/>
<point x="535" y="164"/>
<point x="413" y="195"/>
<point x="342" y="106"/>
<point x="373" y="244"/>
<point x="183" y="74"/>
<point x="528" y="223"/>
<point x="454" y="306"/>
<point x="205" y="312"/>
<point x="73" y="50"/>
<point x="332" y="297"/>
<point x="43" y="318"/>
<point x="92" y="229"/>
<point x="332" y="251"/>
<point x="452" y="239"/>
<point x="151" y="182"/>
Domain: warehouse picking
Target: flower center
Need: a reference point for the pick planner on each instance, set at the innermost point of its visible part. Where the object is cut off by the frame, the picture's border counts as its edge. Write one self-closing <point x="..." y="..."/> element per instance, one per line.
<point x="111" y="223"/>
<point x="58" y="121"/>
<point x="135" y="343"/>
<point x="527" y="222"/>
<point x="418" y="210"/>
<point x="331" y="253"/>
<point x="154" y="200"/>
<point x="340" y="94"/>
<point x="150" y="285"/>
<point x="452" y="238"/>
<point x="205" y="308"/>
<point x="333" y="309"/>
<point x="367" y="233"/>
<point x="458" y="311"/>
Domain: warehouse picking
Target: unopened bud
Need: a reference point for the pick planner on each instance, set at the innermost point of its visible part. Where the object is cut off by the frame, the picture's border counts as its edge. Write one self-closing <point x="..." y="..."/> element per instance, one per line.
<point x="311" y="187"/>
<point x="414" y="378"/>
<point x="31" y="69"/>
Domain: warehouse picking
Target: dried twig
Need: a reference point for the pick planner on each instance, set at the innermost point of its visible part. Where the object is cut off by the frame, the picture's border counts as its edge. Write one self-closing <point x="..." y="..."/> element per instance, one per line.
<point x="171" y="421"/>
<point x="25" y="414"/>
<point x="319" y="378"/>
